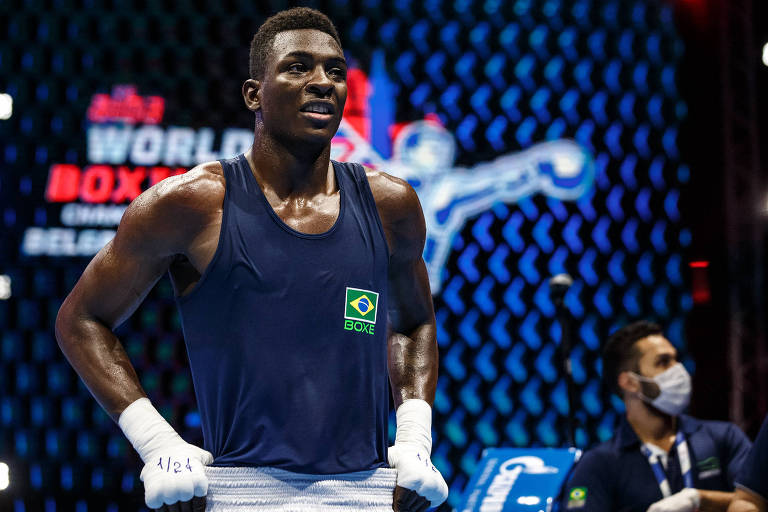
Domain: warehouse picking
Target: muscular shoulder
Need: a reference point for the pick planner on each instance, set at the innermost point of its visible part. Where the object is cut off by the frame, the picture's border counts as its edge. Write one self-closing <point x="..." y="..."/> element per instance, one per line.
<point x="400" y="212"/>
<point x="169" y="213"/>
<point x="199" y="189"/>
<point x="394" y="196"/>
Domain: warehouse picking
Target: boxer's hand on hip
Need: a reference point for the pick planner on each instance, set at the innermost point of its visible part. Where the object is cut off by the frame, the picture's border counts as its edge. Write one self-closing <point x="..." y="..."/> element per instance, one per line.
<point x="416" y="473"/>
<point x="173" y="469"/>
<point x="175" y="474"/>
<point x="410" y="457"/>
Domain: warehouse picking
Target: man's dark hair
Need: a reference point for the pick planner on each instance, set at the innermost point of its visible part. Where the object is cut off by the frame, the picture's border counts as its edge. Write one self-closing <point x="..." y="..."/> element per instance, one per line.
<point x="620" y="353"/>
<point x="292" y="19"/>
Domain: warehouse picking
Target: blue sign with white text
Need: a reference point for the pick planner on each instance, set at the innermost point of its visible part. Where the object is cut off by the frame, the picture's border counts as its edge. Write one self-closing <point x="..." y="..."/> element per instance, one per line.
<point x="518" y="479"/>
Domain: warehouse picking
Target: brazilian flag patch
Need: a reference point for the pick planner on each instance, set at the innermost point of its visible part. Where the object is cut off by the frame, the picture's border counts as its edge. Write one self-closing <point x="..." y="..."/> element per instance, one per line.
<point x="577" y="498"/>
<point x="360" y="305"/>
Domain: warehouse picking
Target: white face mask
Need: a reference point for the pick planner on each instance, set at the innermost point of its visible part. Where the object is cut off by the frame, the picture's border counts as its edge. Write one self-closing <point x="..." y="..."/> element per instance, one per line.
<point x="675" y="390"/>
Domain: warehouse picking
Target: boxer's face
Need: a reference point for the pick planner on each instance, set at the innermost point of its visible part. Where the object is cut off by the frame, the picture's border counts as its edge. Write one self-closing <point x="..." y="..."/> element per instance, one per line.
<point x="304" y="88"/>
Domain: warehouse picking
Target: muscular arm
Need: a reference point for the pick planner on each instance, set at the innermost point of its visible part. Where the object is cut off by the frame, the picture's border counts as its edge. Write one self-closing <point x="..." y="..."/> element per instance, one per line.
<point x="117" y="280"/>
<point x="412" y="348"/>
<point x="413" y="360"/>
<point x="411" y="343"/>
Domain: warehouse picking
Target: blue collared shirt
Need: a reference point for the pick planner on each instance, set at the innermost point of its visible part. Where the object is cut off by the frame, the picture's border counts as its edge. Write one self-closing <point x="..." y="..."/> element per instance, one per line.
<point x="754" y="474"/>
<point x="616" y="476"/>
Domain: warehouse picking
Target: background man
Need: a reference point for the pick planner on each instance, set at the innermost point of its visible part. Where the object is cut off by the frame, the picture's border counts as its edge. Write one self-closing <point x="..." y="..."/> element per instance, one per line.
<point x="659" y="458"/>
<point x="265" y="252"/>
<point x="752" y="482"/>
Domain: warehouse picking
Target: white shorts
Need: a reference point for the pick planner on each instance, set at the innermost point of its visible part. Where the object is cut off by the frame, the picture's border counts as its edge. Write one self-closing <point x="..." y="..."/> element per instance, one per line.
<point x="269" y="489"/>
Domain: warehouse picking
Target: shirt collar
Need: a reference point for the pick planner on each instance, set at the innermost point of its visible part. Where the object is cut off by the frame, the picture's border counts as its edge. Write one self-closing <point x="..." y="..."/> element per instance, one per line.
<point x="688" y="424"/>
<point x="627" y="439"/>
<point x="625" y="435"/>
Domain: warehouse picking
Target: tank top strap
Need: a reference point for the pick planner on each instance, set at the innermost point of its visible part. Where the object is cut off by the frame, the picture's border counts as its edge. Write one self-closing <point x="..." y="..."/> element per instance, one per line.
<point x="238" y="175"/>
<point x="351" y="172"/>
<point x="357" y="181"/>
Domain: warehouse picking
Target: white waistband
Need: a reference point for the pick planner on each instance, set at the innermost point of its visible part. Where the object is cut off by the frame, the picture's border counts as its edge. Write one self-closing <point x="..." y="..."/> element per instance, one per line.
<point x="270" y="489"/>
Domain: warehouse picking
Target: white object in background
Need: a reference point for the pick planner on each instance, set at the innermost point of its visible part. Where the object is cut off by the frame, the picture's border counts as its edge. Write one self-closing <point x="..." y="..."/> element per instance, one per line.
<point x="6" y="106"/>
<point x="765" y="54"/>
<point x="5" y="287"/>
<point x="4" y="478"/>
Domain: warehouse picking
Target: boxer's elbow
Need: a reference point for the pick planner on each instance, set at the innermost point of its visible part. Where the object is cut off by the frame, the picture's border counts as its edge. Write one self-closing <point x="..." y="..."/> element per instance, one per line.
<point x="72" y="323"/>
<point x="64" y="324"/>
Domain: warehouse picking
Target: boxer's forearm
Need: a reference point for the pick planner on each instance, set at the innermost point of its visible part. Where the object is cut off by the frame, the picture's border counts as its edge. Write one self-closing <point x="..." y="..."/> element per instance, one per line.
<point x="413" y="375"/>
<point x="100" y="359"/>
<point x="173" y="471"/>
<point x="413" y="364"/>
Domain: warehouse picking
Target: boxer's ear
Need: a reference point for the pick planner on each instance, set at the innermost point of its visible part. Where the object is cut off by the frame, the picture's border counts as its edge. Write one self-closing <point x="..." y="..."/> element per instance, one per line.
<point x="251" y="96"/>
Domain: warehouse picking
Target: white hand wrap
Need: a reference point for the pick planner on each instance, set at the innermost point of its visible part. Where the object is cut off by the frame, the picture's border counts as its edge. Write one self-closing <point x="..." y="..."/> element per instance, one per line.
<point x="687" y="500"/>
<point x="173" y="469"/>
<point x="410" y="453"/>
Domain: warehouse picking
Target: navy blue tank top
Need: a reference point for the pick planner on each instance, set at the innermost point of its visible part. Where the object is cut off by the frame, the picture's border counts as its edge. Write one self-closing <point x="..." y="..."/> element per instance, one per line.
<point x="287" y="334"/>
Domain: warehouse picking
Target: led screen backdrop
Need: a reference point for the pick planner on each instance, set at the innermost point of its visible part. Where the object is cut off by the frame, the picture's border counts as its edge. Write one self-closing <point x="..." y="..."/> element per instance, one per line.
<point x="540" y="135"/>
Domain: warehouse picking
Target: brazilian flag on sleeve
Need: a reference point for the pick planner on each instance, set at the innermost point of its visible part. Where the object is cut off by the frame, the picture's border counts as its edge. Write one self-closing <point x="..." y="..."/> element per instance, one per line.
<point x="577" y="498"/>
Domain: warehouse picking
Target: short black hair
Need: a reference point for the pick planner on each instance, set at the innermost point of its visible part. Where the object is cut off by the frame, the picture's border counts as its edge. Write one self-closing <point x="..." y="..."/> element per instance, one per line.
<point x="291" y="19"/>
<point x="620" y="353"/>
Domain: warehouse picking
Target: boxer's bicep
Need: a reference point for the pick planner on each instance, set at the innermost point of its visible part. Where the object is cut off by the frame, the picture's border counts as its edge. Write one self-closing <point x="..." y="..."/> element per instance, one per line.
<point x="412" y="350"/>
<point x="410" y="298"/>
<point x="410" y="301"/>
<point x="122" y="273"/>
